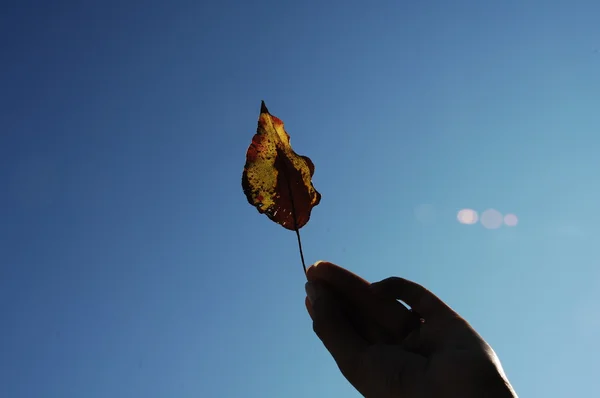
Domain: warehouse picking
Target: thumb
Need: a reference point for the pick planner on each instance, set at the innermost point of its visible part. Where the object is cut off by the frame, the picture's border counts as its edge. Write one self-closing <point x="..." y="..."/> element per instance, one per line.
<point x="334" y="328"/>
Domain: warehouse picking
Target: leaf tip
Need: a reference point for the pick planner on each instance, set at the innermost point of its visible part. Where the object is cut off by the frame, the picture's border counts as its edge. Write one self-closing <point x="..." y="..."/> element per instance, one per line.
<point x="263" y="107"/>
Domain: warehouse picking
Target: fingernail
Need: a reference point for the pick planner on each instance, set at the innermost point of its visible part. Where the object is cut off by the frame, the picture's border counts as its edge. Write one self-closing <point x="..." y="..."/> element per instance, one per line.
<point x="312" y="292"/>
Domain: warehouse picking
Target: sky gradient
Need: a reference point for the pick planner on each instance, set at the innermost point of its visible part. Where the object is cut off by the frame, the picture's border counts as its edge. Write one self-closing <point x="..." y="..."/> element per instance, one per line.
<point x="131" y="264"/>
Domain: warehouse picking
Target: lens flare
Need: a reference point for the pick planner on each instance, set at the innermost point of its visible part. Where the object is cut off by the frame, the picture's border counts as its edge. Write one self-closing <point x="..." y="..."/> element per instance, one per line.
<point x="511" y="220"/>
<point x="467" y="216"/>
<point x="491" y="219"/>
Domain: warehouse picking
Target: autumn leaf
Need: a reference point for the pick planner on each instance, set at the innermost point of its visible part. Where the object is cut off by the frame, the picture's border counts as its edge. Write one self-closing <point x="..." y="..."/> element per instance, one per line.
<point x="276" y="180"/>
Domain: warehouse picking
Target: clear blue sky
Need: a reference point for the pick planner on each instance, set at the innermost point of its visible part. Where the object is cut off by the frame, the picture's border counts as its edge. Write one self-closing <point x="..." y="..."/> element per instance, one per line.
<point x="131" y="264"/>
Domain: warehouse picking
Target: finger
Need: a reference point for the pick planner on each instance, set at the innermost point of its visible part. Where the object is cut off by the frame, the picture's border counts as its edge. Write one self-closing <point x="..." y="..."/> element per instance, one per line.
<point x="334" y="328"/>
<point x="416" y="296"/>
<point x="393" y="319"/>
<point x="309" y="308"/>
<point x="339" y="278"/>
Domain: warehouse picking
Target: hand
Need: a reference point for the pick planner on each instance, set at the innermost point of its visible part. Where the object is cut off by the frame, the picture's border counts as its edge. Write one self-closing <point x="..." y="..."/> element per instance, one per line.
<point x="386" y="350"/>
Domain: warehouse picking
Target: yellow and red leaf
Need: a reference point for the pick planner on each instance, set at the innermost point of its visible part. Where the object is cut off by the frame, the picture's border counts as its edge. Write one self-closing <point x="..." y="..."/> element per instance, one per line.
<point x="276" y="180"/>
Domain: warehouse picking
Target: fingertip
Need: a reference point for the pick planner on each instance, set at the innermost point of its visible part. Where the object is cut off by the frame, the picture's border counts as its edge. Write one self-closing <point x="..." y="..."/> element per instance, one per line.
<point x="314" y="271"/>
<point x="336" y="276"/>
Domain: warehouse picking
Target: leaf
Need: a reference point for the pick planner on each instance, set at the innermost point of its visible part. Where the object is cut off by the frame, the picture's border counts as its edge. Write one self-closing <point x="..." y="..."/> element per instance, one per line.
<point x="276" y="180"/>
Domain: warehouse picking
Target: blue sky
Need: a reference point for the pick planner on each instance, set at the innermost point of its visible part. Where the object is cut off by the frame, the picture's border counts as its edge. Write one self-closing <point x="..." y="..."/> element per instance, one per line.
<point x="131" y="264"/>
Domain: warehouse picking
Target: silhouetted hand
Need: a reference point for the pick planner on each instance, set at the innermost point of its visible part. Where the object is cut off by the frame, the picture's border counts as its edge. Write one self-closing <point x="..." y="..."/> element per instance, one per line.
<point x="386" y="350"/>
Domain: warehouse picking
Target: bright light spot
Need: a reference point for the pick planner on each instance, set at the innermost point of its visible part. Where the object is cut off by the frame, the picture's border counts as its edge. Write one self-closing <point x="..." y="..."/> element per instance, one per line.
<point x="467" y="216"/>
<point x="491" y="219"/>
<point x="511" y="220"/>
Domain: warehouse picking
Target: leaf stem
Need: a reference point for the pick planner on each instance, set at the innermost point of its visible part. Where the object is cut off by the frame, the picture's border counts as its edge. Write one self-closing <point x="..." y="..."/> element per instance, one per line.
<point x="300" y="248"/>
